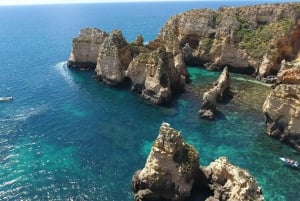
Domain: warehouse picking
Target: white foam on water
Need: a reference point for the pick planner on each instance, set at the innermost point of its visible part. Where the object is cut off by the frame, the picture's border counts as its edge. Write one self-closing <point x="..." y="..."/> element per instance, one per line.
<point x="63" y="70"/>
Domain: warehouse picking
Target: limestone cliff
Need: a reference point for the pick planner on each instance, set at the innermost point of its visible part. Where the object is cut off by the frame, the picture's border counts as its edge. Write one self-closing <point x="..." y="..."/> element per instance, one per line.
<point x="172" y="170"/>
<point x="154" y="77"/>
<point x="85" y="49"/>
<point x="113" y="58"/>
<point x="244" y="38"/>
<point x="153" y="73"/>
<point x="217" y="93"/>
<point x="282" y="106"/>
<point x="231" y="183"/>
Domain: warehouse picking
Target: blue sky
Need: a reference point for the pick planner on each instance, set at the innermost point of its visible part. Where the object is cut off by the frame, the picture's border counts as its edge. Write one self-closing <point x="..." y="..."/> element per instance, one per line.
<point x="30" y="2"/>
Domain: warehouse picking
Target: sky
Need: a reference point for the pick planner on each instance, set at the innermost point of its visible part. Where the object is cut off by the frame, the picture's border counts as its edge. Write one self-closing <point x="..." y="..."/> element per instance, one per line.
<point x="36" y="2"/>
<point x="33" y="2"/>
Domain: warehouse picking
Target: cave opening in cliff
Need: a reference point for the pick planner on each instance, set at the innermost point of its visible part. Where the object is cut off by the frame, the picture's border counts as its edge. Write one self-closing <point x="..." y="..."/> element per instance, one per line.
<point x="126" y="84"/>
<point x="191" y="39"/>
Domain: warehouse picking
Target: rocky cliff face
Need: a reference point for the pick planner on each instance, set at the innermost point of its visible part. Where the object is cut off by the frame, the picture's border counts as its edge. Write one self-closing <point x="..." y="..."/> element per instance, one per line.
<point x="230" y="182"/>
<point x="154" y="73"/>
<point x="154" y="77"/>
<point x="282" y="106"/>
<point x="86" y="48"/>
<point x="243" y="38"/>
<point x="216" y="94"/>
<point x="113" y="58"/>
<point x="172" y="170"/>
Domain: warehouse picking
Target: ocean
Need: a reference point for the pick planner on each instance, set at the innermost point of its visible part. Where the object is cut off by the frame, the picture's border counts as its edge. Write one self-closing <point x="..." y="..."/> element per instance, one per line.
<point x="66" y="136"/>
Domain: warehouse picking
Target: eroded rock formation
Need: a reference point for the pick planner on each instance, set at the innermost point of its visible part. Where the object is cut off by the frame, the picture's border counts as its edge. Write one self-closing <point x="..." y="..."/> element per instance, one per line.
<point x="154" y="73"/>
<point x="172" y="170"/>
<point x="282" y="105"/>
<point x="85" y="48"/>
<point x="216" y="94"/>
<point x="113" y="59"/>
<point x="242" y="38"/>
<point x="229" y="182"/>
<point x="154" y="77"/>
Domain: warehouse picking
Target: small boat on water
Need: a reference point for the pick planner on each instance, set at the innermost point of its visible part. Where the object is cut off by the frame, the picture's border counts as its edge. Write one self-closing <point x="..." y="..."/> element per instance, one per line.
<point x="4" y="99"/>
<point x="290" y="162"/>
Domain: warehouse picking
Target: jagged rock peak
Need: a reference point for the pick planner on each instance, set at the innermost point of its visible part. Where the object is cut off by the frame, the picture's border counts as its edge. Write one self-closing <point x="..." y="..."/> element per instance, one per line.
<point x="93" y="35"/>
<point x="218" y="93"/>
<point x="139" y="40"/>
<point x="231" y="183"/>
<point x="235" y="37"/>
<point x="113" y="59"/>
<point x="170" y="169"/>
<point x="85" y="48"/>
<point x="289" y="72"/>
<point x="282" y="106"/>
<point x="116" y="36"/>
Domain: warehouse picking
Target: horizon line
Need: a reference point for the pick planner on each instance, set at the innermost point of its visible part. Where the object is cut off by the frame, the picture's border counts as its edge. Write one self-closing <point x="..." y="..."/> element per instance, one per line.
<point x="68" y="2"/>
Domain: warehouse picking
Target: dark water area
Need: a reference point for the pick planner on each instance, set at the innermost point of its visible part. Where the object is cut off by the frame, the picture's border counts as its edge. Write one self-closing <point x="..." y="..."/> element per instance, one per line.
<point x="66" y="136"/>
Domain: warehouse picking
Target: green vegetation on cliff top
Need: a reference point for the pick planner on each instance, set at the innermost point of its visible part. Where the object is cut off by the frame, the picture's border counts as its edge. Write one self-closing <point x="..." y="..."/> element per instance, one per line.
<point x="263" y="40"/>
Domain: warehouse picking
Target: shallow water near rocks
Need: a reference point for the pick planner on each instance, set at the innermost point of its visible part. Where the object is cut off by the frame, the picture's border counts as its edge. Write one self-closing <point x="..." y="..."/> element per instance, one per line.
<point x="68" y="137"/>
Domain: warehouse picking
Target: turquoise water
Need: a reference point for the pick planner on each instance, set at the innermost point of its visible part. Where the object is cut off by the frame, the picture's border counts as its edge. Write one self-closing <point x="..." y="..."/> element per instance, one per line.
<point x="67" y="137"/>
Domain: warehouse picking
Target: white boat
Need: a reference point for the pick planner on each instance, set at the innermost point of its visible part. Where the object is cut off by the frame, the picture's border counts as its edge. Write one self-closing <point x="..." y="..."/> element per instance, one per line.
<point x="8" y="98"/>
<point x="290" y="162"/>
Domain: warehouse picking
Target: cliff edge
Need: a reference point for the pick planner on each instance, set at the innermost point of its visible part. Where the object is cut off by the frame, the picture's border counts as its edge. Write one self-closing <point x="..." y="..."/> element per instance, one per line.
<point x="243" y="38"/>
<point x="172" y="171"/>
<point x="282" y="105"/>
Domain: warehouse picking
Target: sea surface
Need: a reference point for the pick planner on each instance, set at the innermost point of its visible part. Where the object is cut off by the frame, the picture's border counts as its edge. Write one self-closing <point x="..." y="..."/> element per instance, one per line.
<point x="66" y="136"/>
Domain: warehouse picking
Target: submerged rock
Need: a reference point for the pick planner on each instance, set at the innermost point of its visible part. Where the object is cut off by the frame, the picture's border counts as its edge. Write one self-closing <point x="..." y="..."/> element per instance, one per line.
<point x="217" y="93"/>
<point x="172" y="171"/>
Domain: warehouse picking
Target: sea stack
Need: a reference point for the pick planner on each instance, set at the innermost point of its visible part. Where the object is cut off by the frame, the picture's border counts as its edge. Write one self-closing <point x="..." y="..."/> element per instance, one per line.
<point x="85" y="48"/>
<point x="282" y="105"/>
<point x="242" y="38"/>
<point x="217" y="93"/>
<point x="172" y="171"/>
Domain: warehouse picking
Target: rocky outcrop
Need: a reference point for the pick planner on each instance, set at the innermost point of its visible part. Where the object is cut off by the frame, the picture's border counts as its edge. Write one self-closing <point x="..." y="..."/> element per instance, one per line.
<point x="153" y="72"/>
<point x="85" y="49"/>
<point x="172" y="171"/>
<point x="229" y="182"/>
<point x="282" y="106"/>
<point x="113" y="59"/>
<point x="154" y="77"/>
<point x="243" y="38"/>
<point x="218" y="93"/>
<point x="289" y="73"/>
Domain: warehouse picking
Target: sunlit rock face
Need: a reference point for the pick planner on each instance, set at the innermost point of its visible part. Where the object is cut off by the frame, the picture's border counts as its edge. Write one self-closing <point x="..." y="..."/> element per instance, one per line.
<point x="243" y="38"/>
<point x="172" y="171"/>
<point x="230" y="182"/>
<point x="217" y="93"/>
<point x="282" y="105"/>
<point x="113" y="59"/>
<point x="85" y="48"/>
